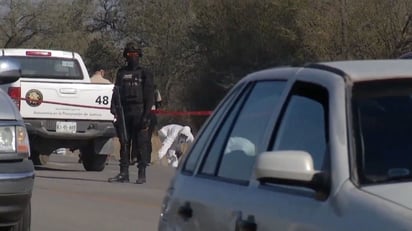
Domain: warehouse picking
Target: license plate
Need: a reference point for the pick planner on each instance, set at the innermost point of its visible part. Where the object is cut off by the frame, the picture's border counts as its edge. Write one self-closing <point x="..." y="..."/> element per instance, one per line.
<point x="66" y="127"/>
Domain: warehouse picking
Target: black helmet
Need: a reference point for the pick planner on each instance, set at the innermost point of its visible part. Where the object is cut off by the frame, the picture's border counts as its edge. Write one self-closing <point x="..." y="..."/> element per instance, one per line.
<point x="132" y="47"/>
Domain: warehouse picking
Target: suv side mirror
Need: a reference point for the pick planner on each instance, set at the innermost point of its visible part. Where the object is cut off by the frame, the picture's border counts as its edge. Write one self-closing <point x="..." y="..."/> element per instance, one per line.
<point x="290" y="167"/>
<point x="10" y="70"/>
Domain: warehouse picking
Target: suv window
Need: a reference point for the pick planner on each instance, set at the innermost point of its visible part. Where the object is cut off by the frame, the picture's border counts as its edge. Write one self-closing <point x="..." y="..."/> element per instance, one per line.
<point x="210" y="165"/>
<point x="233" y="151"/>
<point x="383" y="110"/>
<point x="304" y="123"/>
<point x="196" y="151"/>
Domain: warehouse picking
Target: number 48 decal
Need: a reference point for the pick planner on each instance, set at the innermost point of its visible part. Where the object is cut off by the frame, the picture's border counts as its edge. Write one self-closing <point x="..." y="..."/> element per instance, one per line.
<point x="102" y="100"/>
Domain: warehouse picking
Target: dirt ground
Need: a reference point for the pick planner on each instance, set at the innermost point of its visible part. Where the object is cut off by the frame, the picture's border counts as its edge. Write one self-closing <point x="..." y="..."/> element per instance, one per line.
<point x="155" y="148"/>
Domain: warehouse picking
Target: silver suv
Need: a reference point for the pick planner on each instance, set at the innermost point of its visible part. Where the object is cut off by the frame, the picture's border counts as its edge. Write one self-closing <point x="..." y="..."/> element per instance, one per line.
<point x="325" y="146"/>
<point x="16" y="170"/>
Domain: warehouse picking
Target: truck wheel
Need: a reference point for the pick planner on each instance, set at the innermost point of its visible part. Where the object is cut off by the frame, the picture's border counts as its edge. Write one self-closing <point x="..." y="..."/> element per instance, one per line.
<point x="24" y="222"/>
<point x="92" y="161"/>
<point x="39" y="159"/>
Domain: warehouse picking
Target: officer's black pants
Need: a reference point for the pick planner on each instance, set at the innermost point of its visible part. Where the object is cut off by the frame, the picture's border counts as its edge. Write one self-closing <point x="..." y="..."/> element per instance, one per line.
<point x="137" y="145"/>
<point x="150" y="130"/>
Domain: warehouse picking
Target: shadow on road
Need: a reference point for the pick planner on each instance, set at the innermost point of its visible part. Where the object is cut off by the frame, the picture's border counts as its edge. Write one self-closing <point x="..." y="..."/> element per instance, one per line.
<point x="70" y="178"/>
<point x="48" y="168"/>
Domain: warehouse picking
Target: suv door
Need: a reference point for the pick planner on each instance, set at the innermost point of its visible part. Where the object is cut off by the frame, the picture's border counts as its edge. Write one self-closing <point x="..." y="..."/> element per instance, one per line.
<point x="211" y="198"/>
<point x="303" y="125"/>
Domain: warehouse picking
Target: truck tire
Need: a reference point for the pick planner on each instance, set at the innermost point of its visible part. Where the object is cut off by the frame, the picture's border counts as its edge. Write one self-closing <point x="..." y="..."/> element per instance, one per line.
<point x="91" y="160"/>
<point x="24" y="222"/>
<point x="39" y="159"/>
<point x="94" y="162"/>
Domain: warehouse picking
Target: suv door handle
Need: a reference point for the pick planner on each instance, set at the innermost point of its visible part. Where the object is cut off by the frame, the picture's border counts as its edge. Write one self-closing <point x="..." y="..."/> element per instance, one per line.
<point x="246" y="225"/>
<point x="185" y="211"/>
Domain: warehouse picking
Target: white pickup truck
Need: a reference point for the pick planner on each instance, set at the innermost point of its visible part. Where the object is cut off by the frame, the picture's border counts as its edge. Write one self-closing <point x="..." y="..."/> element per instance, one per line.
<point x="60" y="107"/>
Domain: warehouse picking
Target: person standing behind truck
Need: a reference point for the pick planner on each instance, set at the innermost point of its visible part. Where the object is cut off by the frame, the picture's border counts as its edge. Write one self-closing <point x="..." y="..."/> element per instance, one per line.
<point x="98" y="76"/>
<point x="153" y="118"/>
<point x="134" y="87"/>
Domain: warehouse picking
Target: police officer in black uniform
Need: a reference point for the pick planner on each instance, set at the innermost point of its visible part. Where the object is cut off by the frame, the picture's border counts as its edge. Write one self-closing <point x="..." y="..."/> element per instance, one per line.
<point x="152" y="125"/>
<point x="136" y="88"/>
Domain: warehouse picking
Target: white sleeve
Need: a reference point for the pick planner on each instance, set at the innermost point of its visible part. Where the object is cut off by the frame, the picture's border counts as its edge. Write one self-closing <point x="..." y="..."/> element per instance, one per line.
<point x="190" y="139"/>
<point x="167" y="143"/>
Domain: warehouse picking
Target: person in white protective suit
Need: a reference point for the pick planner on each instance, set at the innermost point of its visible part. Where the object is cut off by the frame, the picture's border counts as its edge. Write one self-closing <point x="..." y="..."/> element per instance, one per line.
<point x="172" y="137"/>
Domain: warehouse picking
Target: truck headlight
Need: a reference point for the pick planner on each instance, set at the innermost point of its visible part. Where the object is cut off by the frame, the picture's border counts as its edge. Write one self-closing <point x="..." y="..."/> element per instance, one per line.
<point x="14" y="139"/>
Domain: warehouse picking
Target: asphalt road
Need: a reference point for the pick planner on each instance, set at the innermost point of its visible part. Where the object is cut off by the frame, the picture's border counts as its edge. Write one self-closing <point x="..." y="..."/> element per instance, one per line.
<point x="67" y="198"/>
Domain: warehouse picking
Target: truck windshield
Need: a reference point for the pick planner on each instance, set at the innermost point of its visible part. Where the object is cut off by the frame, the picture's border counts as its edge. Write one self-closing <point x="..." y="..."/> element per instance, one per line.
<point x="49" y="67"/>
<point x="383" y="124"/>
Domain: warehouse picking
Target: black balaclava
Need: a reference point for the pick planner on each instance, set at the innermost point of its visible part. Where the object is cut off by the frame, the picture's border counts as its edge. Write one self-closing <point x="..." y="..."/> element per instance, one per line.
<point x="132" y="54"/>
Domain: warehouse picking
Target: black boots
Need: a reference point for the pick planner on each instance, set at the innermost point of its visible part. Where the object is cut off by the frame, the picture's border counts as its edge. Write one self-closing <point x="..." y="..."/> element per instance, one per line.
<point x="141" y="178"/>
<point x="121" y="177"/>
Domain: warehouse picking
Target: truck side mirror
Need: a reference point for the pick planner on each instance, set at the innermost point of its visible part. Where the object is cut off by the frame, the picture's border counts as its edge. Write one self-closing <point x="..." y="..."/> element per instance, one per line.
<point x="10" y="70"/>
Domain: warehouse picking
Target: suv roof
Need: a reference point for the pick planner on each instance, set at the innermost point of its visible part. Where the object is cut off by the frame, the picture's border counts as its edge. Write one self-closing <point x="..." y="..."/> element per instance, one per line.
<point x="364" y="70"/>
<point x="354" y="71"/>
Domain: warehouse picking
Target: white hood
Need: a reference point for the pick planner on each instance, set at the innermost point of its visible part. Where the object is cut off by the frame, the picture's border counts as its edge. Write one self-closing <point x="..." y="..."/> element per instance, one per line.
<point x="186" y="131"/>
<point x="399" y="193"/>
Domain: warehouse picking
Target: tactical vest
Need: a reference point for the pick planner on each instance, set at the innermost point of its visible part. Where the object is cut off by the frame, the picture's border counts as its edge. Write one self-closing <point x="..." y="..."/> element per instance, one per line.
<point x="132" y="87"/>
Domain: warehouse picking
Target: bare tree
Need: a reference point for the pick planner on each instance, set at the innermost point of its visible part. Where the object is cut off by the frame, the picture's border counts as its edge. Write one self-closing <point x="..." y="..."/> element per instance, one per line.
<point x="352" y="29"/>
<point x="18" y="22"/>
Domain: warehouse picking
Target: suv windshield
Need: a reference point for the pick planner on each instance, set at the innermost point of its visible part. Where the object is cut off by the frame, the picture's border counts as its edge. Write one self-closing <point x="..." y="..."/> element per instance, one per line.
<point x="383" y="118"/>
<point x="49" y="67"/>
